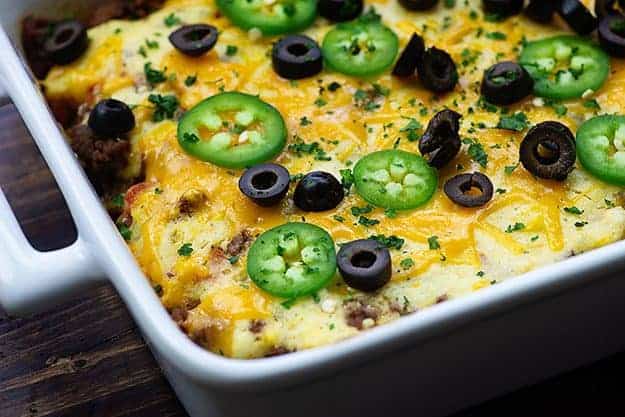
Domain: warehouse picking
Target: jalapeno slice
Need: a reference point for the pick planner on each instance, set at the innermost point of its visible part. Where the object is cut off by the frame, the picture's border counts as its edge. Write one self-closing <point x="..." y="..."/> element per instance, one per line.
<point x="272" y="18"/>
<point x="360" y="48"/>
<point x="565" y="67"/>
<point x="292" y="260"/>
<point x="232" y="130"/>
<point x="395" y="179"/>
<point x="601" y="148"/>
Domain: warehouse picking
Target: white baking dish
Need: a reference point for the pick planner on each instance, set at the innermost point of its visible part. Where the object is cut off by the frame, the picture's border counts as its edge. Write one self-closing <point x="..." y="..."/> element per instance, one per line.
<point x="431" y="363"/>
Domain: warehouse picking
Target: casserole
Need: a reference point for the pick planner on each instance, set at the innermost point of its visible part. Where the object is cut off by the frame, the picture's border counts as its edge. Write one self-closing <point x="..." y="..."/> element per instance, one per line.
<point x="210" y="385"/>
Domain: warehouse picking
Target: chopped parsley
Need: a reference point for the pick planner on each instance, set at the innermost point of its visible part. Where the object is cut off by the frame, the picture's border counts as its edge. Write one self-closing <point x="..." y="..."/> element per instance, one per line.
<point x="190" y="80"/>
<point x="515" y="228"/>
<point x="152" y="75"/>
<point x="359" y="211"/>
<point x="172" y="20"/>
<point x="185" y="250"/>
<point x="580" y="224"/>
<point x="347" y="178"/>
<point x="406" y="263"/>
<point x="412" y="130"/>
<point x="433" y="243"/>
<point x="164" y="106"/>
<point x="304" y="121"/>
<point x="574" y="210"/>
<point x="476" y="152"/>
<point x="234" y="259"/>
<point x="367" y="222"/>
<point x="497" y="36"/>
<point x="231" y="50"/>
<point x="517" y="122"/>
<point x="124" y="231"/>
<point x="391" y="242"/>
<point x="509" y="169"/>
<point x="118" y="200"/>
<point x="300" y="148"/>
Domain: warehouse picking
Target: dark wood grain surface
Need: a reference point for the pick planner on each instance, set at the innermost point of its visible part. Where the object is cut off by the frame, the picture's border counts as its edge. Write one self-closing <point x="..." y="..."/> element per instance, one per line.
<point x="87" y="358"/>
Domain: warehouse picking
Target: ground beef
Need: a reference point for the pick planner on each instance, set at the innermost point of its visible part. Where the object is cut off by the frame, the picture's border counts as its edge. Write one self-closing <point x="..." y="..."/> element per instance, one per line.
<point x="257" y="326"/>
<point x="122" y="9"/>
<point x="102" y="159"/>
<point x="356" y="311"/>
<point x="239" y="243"/>
<point x="35" y="30"/>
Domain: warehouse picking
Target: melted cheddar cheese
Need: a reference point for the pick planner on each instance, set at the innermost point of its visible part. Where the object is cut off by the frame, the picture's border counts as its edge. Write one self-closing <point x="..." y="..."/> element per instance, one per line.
<point x="448" y="251"/>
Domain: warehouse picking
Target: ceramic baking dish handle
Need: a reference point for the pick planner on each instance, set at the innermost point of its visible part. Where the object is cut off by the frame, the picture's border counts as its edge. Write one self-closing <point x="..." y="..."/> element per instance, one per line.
<point x="33" y="281"/>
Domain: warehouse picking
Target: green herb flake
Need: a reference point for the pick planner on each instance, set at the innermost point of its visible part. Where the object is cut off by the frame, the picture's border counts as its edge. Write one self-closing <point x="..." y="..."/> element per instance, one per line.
<point x="433" y="243"/>
<point x="515" y="228"/>
<point x="406" y="264"/>
<point x="367" y="222"/>
<point x="574" y="210"/>
<point x="517" y="122"/>
<point x="164" y="106"/>
<point x="185" y="250"/>
<point x="172" y="20"/>
<point x="391" y="242"/>
<point x="231" y="50"/>
<point x="190" y="80"/>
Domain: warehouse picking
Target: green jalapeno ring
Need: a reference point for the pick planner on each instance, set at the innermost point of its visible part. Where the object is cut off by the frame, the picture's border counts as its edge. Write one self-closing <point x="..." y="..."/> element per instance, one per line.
<point x="242" y="131"/>
<point x="601" y="148"/>
<point x="292" y="260"/>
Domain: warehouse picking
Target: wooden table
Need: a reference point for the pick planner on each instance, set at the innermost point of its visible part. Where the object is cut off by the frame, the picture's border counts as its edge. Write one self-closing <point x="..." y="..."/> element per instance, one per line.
<point x="87" y="358"/>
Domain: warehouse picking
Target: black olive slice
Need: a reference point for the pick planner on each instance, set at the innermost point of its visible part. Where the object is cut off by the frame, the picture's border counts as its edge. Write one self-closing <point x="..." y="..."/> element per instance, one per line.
<point x="194" y="40"/>
<point x="111" y="119"/>
<point x="441" y="141"/>
<point x="503" y="8"/>
<point x="297" y="56"/>
<point x="265" y="184"/>
<point x="408" y="60"/>
<point x="612" y="35"/>
<point x="577" y="16"/>
<point x="541" y="11"/>
<point x="67" y="42"/>
<point x="365" y="265"/>
<point x="506" y="83"/>
<point x="470" y="190"/>
<point x="340" y="10"/>
<point x="318" y="191"/>
<point x="437" y="71"/>
<point x="420" y="5"/>
<point x="605" y="8"/>
<point x="548" y="151"/>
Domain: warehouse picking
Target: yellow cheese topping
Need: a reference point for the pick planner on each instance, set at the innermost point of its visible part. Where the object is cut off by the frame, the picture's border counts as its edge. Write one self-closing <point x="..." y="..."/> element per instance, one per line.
<point x="523" y="227"/>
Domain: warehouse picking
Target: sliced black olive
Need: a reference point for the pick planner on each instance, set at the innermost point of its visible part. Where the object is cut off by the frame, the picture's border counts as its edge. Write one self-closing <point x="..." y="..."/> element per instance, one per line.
<point x="408" y="60"/>
<point x="612" y="35"/>
<point x="67" y="42"/>
<point x="340" y="10"/>
<point x="111" y="119"/>
<point x="541" y="11"/>
<point x="437" y="71"/>
<point x="194" y="40"/>
<point x="470" y="190"/>
<point x="503" y="8"/>
<point x="266" y="184"/>
<point x="365" y="265"/>
<point x="577" y="16"/>
<point x="506" y="83"/>
<point x="605" y="8"/>
<point x="548" y="151"/>
<point x="441" y="141"/>
<point x="418" y="4"/>
<point x="318" y="191"/>
<point x="297" y="56"/>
